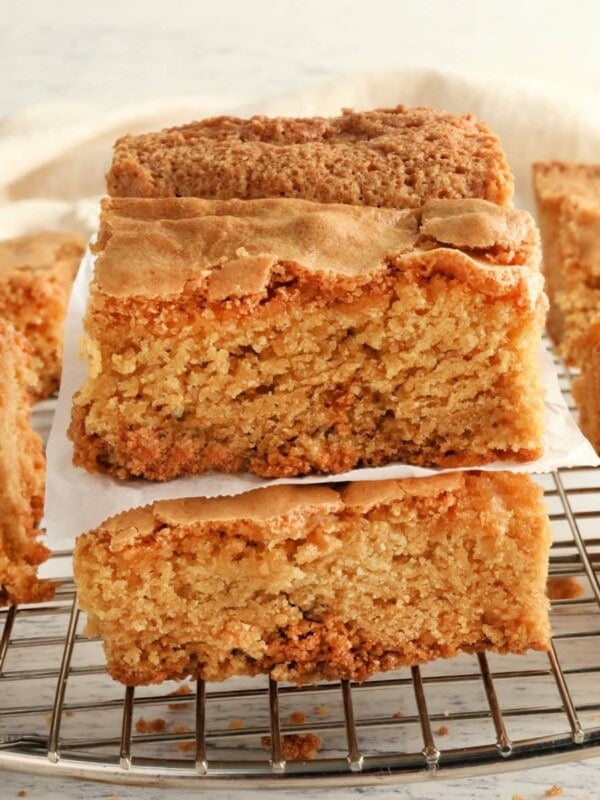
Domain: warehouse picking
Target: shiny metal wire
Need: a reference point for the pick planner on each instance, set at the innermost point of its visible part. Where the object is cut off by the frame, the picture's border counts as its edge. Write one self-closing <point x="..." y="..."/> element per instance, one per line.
<point x="509" y="712"/>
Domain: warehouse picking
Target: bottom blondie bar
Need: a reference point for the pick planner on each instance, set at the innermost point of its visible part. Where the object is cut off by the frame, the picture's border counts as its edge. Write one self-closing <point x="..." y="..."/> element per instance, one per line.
<point x="309" y="583"/>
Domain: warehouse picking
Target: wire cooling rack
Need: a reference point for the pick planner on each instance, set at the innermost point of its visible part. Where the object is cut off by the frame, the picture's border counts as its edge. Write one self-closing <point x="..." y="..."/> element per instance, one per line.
<point x="61" y="715"/>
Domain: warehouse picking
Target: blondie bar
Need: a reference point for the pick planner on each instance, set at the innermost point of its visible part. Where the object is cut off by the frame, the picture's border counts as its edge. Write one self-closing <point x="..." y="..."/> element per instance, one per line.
<point x="21" y="476"/>
<point x="398" y="157"/>
<point x="568" y="201"/>
<point x="284" y="337"/>
<point x="307" y="583"/>
<point x="36" y="274"/>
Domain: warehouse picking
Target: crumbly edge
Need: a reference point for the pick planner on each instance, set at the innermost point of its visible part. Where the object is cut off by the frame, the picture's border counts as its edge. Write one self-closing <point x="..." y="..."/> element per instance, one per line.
<point x="21" y="477"/>
<point x="34" y="298"/>
<point x="150" y="449"/>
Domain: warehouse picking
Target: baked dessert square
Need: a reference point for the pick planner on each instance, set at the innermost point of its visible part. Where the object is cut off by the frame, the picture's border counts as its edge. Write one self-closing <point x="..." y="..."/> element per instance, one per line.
<point x="21" y="476"/>
<point x="307" y="583"/>
<point x="36" y="274"/>
<point x="568" y="201"/>
<point x="586" y="387"/>
<point x="283" y="337"/>
<point x="396" y="157"/>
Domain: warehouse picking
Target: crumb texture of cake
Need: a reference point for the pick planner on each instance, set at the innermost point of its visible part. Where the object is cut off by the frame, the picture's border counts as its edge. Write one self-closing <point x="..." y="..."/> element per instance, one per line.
<point x="283" y="337"/>
<point x="568" y="202"/>
<point x="586" y="386"/>
<point x="398" y="157"/>
<point x="307" y="583"/>
<point x="21" y="476"/>
<point x="36" y="275"/>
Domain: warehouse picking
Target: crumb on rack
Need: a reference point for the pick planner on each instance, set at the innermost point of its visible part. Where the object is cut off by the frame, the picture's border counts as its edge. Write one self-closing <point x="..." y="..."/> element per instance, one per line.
<point x="184" y="689"/>
<point x="236" y="724"/>
<point x="442" y="730"/>
<point x="180" y="729"/>
<point x="397" y="715"/>
<point x="554" y="791"/>
<point x="322" y="711"/>
<point x="563" y="588"/>
<point x="21" y="793"/>
<point x="297" y="746"/>
<point x="144" y="725"/>
<point x="184" y="747"/>
<point x="297" y="718"/>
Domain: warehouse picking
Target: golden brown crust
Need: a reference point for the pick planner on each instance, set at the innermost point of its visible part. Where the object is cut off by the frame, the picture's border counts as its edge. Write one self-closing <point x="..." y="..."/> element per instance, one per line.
<point x="398" y="157"/>
<point x="324" y="590"/>
<point x="36" y="274"/>
<point x="21" y="477"/>
<point x="231" y="248"/>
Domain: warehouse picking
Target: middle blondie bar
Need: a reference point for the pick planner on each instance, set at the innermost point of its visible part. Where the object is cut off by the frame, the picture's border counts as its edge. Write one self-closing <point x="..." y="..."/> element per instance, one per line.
<point x="284" y="337"/>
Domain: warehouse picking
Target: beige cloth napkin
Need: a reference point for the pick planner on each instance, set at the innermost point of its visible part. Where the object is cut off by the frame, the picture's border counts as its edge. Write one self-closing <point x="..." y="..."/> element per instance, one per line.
<point x="53" y="158"/>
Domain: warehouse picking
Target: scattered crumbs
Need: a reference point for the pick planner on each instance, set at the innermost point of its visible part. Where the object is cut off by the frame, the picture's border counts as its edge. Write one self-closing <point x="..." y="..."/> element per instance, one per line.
<point x="113" y="797"/>
<point x="517" y="797"/>
<point x="236" y="724"/>
<point x="69" y="713"/>
<point x="442" y="730"/>
<point x="144" y="725"/>
<point x="297" y="746"/>
<point x="297" y="718"/>
<point x="181" y="690"/>
<point x="322" y="711"/>
<point x="397" y="715"/>
<point x="180" y="729"/>
<point x="554" y="791"/>
<point x="563" y="588"/>
<point x="21" y="793"/>
<point x="185" y="747"/>
<point x="48" y="719"/>
<point x="446" y="712"/>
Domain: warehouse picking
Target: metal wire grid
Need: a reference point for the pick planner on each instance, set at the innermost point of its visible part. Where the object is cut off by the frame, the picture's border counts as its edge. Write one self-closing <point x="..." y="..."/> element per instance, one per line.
<point x="503" y="712"/>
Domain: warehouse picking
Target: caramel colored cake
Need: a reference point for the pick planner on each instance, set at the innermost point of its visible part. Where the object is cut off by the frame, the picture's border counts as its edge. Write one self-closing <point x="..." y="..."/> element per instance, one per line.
<point x="21" y="476"/>
<point x="398" y="157"/>
<point x="36" y="274"/>
<point x="307" y="583"/>
<point x="586" y="387"/>
<point x="568" y="200"/>
<point x="283" y="337"/>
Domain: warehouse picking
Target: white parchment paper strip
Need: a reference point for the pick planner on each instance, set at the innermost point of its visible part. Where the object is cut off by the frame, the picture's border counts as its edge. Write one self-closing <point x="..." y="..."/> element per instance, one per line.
<point x="77" y="501"/>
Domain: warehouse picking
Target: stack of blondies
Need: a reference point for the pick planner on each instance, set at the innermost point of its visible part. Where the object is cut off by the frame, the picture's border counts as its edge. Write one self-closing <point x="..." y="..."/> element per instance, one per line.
<point x="307" y="297"/>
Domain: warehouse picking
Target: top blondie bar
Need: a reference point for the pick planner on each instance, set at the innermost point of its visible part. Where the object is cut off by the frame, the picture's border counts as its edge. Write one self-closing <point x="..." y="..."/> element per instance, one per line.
<point x="399" y="158"/>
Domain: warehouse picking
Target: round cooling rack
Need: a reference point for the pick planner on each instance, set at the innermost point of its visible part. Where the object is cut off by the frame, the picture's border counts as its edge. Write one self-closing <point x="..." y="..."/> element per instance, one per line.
<point x="61" y="715"/>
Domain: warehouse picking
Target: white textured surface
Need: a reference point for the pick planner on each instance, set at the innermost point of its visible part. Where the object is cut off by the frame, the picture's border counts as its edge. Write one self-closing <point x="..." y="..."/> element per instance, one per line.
<point x="119" y="51"/>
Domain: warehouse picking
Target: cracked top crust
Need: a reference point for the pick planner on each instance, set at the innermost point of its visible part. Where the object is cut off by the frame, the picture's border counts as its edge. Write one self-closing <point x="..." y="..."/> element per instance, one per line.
<point x="395" y="157"/>
<point x="275" y="502"/>
<point x="154" y="248"/>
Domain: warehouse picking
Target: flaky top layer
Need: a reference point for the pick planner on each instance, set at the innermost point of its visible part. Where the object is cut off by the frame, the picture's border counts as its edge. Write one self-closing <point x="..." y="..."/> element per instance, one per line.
<point x="395" y="157"/>
<point x="155" y="248"/>
<point x="275" y="502"/>
<point x="555" y="181"/>
<point x="39" y="251"/>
